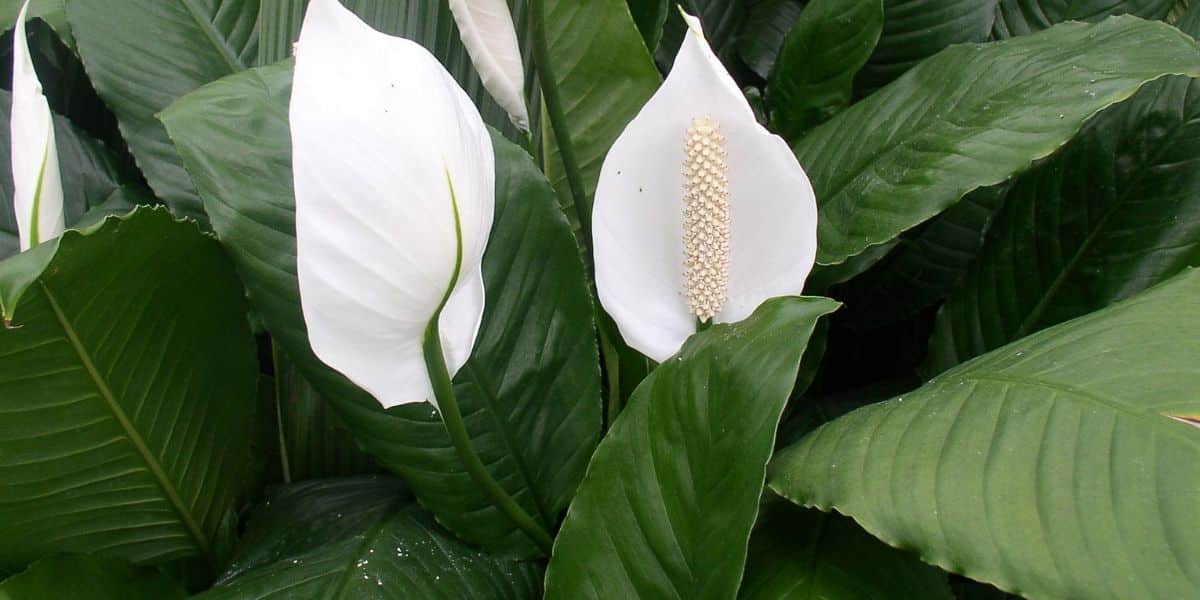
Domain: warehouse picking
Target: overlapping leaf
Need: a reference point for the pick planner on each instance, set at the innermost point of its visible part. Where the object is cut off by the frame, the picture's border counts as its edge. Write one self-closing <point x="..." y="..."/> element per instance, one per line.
<point x="1064" y="465"/>
<point x="83" y="576"/>
<point x="1022" y="17"/>
<point x="914" y="30"/>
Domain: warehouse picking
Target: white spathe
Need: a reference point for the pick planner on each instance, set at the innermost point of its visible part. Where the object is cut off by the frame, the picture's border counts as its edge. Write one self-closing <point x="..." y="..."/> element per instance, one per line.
<point x="487" y="30"/>
<point x="37" y="182"/>
<point x="392" y="164"/>
<point x="638" y="219"/>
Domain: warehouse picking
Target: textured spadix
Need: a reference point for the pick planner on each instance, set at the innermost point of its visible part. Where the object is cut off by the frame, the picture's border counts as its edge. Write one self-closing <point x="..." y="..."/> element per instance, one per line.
<point x="699" y="210"/>
<point x="395" y="193"/>
<point x="487" y="30"/>
<point x="37" y="183"/>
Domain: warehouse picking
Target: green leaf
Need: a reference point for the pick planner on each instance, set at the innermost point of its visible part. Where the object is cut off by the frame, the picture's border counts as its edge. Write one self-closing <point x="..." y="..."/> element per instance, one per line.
<point x="1112" y="214"/>
<point x="530" y="393"/>
<point x="90" y="174"/>
<point x="650" y="15"/>
<point x="1022" y="17"/>
<point x="672" y="491"/>
<point x="910" y="151"/>
<point x="767" y="24"/>
<point x="314" y="442"/>
<point x="914" y="30"/>
<point x="1064" y="465"/>
<point x="722" y="20"/>
<point x="278" y="28"/>
<point x="129" y="381"/>
<point x="91" y="577"/>
<point x="816" y="66"/>
<point x="798" y="554"/>
<point x="50" y="11"/>
<point x="361" y="538"/>
<point x="603" y="75"/>
<point x="141" y="55"/>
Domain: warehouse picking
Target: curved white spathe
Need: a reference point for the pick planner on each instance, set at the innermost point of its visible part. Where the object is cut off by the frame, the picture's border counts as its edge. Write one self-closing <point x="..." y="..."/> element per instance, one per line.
<point x="392" y="164"/>
<point x="37" y="182"/>
<point x="637" y="220"/>
<point x="487" y="30"/>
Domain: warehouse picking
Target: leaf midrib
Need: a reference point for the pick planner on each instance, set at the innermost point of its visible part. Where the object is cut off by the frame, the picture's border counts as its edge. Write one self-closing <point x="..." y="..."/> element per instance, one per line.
<point x="156" y="469"/>
<point x="214" y="37"/>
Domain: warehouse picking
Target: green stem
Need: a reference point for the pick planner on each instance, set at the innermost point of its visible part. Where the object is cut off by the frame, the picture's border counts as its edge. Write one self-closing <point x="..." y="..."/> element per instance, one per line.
<point x="283" y="449"/>
<point x="558" y="121"/>
<point x="443" y="390"/>
<point x="612" y="367"/>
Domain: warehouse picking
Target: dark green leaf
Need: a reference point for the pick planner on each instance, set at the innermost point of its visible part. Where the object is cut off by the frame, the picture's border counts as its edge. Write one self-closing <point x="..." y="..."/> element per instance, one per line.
<point x="1022" y="17"/>
<point x="799" y="554"/>
<point x="530" y="392"/>
<point x="143" y="54"/>
<point x="813" y="76"/>
<point x="362" y="538"/>
<point x="914" y="30"/>
<point x="89" y="175"/>
<point x="50" y="11"/>
<point x="767" y="23"/>
<point x="278" y="28"/>
<point x="1064" y="465"/>
<point x="77" y="576"/>
<point x="671" y="494"/>
<point x="910" y="151"/>
<point x="722" y="20"/>
<point x="128" y="383"/>
<point x="650" y="15"/>
<point x="1112" y="214"/>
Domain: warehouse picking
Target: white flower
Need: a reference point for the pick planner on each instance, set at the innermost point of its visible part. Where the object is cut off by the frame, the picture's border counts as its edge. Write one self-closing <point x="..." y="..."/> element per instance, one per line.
<point x="395" y="194"/>
<point x="487" y="30"/>
<point x="37" y="183"/>
<point x="700" y="212"/>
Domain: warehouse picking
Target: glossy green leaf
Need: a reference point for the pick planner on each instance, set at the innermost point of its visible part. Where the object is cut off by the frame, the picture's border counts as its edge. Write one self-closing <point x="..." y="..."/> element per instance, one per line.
<point x="603" y="75"/>
<point x="672" y="491"/>
<point x="800" y="554"/>
<point x="650" y="15"/>
<point x="1112" y="214"/>
<point x="722" y="20"/>
<point x="362" y="538"/>
<point x="50" y="11"/>
<point x="815" y="71"/>
<point x="184" y="45"/>
<point x="91" y="577"/>
<point x="1022" y="17"/>
<point x="90" y="174"/>
<point x="279" y="24"/>
<point x="767" y="24"/>
<point x="914" y="30"/>
<point x="1064" y="465"/>
<point x="910" y="151"/>
<point x="530" y="393"/>
<point x="128" y="390"/>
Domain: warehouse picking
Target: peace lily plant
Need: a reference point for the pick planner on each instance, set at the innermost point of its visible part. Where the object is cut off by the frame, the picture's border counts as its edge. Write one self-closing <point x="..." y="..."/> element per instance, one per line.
<point x="37" y="183"/>
<point x="281" y="365"/>
<point x="701" y="213"/>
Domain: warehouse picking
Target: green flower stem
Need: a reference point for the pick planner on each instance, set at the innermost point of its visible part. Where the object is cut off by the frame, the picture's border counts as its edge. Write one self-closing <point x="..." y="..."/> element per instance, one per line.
<point x="443" y="390"/>
<point x="558" y="122"/>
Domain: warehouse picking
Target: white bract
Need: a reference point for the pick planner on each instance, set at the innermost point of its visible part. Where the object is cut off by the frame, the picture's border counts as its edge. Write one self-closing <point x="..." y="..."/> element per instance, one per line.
<point x="487" y="30"/>
<point x="700" y="212"/>
<point x="37" y="183"/>
<point x="395" y="194"/>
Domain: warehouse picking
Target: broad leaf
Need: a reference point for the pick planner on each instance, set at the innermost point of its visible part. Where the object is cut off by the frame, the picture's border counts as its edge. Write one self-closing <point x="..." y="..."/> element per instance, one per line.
<point x="603" y="75"/>
<point x="278" y="28"/>
<point x="95" y="578"/>
<point x="1022" y="17"/>
<point x="914" y="30"/>
<point x="361" y="538"/>
<point x="722" y="20"/>
<point x="800" y="554"/>
<point x="50" y="11"/>
<point x="128" y="382"/>
<point x="1064" y="465"/>
<point x="767" y="24"/>
<point x="816" y="66"/>
<point x="143" y="54"/>
<point x="672" y="491"/>
<point x="650" y="15"/>
<point x="1114" y="213"/>
<point x="910" y="151"/>
<point x="90" y="174"/>
<point x="530" y="393"/>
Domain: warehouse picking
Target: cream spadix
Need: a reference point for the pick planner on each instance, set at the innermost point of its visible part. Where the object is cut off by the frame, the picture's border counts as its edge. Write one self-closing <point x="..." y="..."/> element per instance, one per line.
<point x="487" y="31"/>
<point x="700" y="213"/>
<point x="37" y="182"/>
<point x="395" y="195"/>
